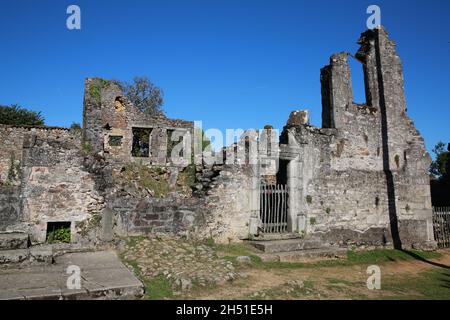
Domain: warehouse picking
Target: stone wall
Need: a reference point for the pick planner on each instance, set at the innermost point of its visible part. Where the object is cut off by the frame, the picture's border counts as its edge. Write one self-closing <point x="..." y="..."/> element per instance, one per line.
<point x="11" y="148"/>
<point x="9" y="207"/>
<point x="229" y="205"/>
<point x="108" y="113"/>
<point x="56" y="186"/>
<point x="363" y="177"/>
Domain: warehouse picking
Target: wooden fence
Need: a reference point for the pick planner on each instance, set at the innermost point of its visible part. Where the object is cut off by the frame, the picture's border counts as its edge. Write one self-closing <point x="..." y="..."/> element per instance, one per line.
<point x="441" y="226"/>
<point x="274" y="208"/>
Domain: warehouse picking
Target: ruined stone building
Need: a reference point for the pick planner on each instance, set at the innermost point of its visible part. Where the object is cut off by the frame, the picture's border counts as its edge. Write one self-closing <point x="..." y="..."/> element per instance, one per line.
<point x="360" y="179"/>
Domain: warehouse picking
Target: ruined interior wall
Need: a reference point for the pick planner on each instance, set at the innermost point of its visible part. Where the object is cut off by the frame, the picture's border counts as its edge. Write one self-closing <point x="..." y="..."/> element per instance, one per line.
<point x="107" y="112"/>
<point x="228" y="206"/>
<point x="133" y="214"/>
<point x="10" y="214"/>
<point x="11" y="146"/>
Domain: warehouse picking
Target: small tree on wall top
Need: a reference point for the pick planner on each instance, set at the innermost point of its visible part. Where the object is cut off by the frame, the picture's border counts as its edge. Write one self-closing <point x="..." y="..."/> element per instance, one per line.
<point x="145" y="95"/>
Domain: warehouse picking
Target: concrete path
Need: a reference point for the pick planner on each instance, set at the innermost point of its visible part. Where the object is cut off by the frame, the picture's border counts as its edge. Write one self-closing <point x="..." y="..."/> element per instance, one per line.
<point x="103" y="276"/>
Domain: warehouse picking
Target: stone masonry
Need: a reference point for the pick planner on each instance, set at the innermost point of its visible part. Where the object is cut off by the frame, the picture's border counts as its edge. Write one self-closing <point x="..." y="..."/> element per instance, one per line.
<point x="360" y="179"/>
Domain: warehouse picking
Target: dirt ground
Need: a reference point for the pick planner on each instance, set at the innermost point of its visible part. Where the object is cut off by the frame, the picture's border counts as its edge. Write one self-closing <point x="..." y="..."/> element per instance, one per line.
<point x="173" y="268"/>
<point x="409" y="279"/>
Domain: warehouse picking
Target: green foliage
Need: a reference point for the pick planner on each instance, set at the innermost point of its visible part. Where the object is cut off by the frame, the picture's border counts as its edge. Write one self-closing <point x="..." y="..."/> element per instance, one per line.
<point x="75" y="126"/>
<point x="61" y="234"/>
<point x="87" y="148"/>
<point x="397" y="160"/>
<point x="205" y="141"/>
<point x="439" y="167"/>
<point x="16" y="115"/>
<point x="145" y="95"/>
<point x="95" y="89"/>
<point x="308" y="199"/>
<point x="328" y="210"/>
<point x="312" y="221"/>
<point x="187" y="176"/>
<point x="152" y="178"/>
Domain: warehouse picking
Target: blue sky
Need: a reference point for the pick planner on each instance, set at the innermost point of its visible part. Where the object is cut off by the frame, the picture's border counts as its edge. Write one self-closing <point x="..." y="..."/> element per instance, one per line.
<point x="228" y="63"/>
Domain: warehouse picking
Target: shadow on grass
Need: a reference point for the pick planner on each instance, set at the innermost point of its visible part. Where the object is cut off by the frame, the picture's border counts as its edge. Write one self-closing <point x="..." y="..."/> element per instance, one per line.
<point x="420" y="258"/>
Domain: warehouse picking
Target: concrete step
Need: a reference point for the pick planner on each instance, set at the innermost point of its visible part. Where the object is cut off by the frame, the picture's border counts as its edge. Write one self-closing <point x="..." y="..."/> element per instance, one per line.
<point x="287" y="245"/>
<point x="305" y="255"/>
<point x="276" y="236"/>
<point x="26" y="257"/>
<point x="13" y="240"/>
<point x="103" y="277"/>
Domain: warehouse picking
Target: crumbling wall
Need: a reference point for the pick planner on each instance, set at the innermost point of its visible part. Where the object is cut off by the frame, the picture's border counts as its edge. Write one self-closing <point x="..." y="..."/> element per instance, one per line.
<point x="11" y="148"/>
<point x="228" y="205"/>
<point x="55" y="185"/>
<point x="364" y="176"/>
<point x="108" y="113"/>
<point x="9" y="207"/>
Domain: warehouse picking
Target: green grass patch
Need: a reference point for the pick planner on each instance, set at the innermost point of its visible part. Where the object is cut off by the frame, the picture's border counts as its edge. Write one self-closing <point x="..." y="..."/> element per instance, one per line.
<point x="434" y="285"/>
<point x="132" y="241"/>
<point x="386" y="255"/>
<point x="158" y="288"/>
<point x="231" y="251"/>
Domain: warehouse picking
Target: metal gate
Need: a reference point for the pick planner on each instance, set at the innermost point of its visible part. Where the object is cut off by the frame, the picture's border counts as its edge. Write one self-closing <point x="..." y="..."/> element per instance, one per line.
<point x="441" y="226"/>
<point x="274" y="208"/>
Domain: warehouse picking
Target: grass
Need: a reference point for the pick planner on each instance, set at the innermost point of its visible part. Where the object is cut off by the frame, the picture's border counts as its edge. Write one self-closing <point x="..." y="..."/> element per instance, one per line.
<point x="231" y="251"/>
<point x="433" y="285"/>
<point x="157" y="288"/>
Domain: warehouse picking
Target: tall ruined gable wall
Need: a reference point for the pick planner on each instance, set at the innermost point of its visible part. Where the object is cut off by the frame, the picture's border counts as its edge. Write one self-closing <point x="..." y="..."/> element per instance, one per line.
<point x="375" y="154"/>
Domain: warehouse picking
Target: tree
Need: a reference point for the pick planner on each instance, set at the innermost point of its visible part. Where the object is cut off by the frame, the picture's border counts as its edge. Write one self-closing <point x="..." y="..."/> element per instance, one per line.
<point x="146" y="96"/>
<point x="75" y="126"/>
<point x="16" y="115"/>
<point x="440" y="166"/>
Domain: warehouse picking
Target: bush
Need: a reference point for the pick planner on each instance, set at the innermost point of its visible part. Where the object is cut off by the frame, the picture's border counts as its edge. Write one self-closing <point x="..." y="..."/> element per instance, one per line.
<point x="16" y="115"/>
<point x="61" y="234"/>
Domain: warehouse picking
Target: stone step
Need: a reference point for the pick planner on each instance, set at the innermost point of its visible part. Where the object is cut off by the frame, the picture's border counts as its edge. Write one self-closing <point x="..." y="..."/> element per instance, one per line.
<point x="304" y="255"/>
<point x="13" y="240"/>
<point x="103" y="277"/>
<point x="287" y="245"/>
<point x="26" y="257"/>
<point x="276" y="236"/>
